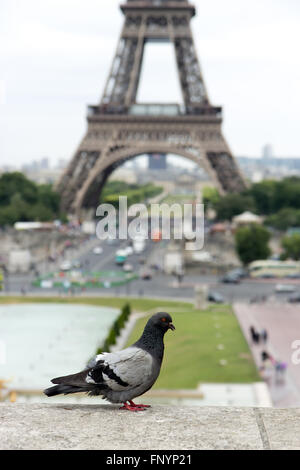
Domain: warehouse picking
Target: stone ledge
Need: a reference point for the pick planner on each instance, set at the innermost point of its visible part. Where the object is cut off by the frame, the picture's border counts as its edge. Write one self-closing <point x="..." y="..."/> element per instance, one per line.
<point x="106" y="427"/>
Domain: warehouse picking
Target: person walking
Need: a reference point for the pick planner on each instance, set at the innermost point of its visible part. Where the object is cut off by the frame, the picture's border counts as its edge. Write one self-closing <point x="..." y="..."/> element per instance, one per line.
<point x="264" y="335"/>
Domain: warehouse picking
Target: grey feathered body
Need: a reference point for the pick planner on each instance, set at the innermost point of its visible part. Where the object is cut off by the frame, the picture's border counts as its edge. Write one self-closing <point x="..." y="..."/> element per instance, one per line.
<point x="118" y="376"/>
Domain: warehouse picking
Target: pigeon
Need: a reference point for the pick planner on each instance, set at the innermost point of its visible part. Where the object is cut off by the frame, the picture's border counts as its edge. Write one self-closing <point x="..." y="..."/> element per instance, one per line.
<point x="121" y="376"/>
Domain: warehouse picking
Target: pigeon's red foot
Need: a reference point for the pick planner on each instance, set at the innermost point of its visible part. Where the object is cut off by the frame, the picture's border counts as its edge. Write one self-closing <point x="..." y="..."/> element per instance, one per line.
<point x="131" y="407"/>
<point x="139" y="405"/>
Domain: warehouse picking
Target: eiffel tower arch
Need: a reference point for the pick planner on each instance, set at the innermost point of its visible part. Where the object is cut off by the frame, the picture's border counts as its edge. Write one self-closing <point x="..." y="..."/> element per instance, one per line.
<point x="119" y="128"/>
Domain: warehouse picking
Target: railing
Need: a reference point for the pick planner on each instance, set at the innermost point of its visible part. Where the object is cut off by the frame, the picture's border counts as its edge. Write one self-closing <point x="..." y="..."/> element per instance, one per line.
<point x="155" y="109"/>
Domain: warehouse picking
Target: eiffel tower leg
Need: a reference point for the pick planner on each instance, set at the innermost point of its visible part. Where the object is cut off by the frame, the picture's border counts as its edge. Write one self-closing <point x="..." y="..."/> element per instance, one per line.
<point x="88" y="196"/>
<point x="191" y="80"/>
<point x="226" y="171"/>
<point x="119" y="78"/>
<point x="136" y="68"/>
<point x="74" y="177"/>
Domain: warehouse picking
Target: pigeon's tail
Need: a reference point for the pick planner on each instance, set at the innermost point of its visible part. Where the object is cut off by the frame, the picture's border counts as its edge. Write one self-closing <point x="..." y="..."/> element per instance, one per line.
<point x="74" y="383"/>
<point x="63" y="389"/>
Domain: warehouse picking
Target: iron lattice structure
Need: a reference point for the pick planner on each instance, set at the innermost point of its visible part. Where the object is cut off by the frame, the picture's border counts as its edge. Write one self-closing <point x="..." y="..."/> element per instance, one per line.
<point x="120" y="129"/>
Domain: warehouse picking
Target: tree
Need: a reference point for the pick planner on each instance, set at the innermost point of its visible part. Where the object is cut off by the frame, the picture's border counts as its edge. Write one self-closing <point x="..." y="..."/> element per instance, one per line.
<point x="284" y="219"/>
<point x="48" y="198"/>
<point x="16" y="182"/>
<point x="8" y="215"/>
<point x="263" y="194"/>
<point x="210" y="197"/>
<point x="234" y="204"/>
<point x="251" y="243"/>
<point x="24" y="200"/>
<point x="291" y="246"/>
<point x="287" y="193"/>
<point x="265" y="198"/>
<point x="270" y="196"/>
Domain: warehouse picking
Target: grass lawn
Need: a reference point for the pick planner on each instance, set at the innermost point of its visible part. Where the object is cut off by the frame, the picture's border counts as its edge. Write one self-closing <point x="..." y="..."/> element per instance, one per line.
<point x="178" y="199"/>
<point x="192" y="355"/>
<point x="191" y="351"/>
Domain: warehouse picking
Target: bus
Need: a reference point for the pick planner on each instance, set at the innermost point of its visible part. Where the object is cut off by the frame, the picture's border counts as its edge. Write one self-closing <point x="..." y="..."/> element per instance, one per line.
<point x="271" y="268"/>
<point x="120" y="257"/>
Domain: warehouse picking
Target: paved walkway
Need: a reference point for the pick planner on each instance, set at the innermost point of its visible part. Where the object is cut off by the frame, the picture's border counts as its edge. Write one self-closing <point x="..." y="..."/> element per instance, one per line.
<point x="282" y="322"/>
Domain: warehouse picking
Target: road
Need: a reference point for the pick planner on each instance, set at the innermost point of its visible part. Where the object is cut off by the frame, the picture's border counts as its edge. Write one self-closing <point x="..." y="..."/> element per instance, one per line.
<point x="161" y="285"/>
<point x="90" y="261"/>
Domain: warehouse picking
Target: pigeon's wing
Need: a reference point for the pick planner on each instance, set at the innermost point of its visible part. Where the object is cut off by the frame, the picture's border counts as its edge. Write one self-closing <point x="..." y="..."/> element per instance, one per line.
<point x="118" y="371"/>
<point x="121" y="370"/>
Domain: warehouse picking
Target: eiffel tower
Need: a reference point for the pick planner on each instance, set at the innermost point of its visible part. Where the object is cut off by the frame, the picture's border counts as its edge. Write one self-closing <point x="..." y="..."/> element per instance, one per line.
<point x="119" y="128"/>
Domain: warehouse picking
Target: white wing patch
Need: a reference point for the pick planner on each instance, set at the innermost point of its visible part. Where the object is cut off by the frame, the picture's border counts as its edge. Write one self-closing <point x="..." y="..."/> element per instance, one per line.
<point x="89" y="379"/>
<point x="101" y="357"/>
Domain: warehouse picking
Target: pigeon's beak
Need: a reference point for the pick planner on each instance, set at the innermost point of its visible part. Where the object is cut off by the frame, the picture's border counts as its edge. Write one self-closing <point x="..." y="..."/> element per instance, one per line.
<point x="171" y="326"/>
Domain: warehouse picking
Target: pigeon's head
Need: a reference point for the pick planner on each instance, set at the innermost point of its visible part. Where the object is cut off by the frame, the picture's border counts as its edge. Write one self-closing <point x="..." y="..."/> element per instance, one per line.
<point x="163" y="321"/>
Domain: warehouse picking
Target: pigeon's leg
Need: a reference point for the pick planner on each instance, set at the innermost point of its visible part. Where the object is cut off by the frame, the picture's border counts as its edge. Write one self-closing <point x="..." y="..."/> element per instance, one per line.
<point x="131" y="407"/>
<point x="139" y="405"/>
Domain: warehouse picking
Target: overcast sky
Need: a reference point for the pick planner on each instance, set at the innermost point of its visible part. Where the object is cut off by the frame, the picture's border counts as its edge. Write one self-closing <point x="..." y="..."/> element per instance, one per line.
<point x="55" y="56"/>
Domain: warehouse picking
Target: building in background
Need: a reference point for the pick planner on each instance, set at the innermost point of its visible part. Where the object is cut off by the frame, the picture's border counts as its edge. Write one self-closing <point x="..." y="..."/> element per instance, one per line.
<point x="267" y="152"/>
<point x="157" y="161"/>
<point x="268" y="166"/>
<point x="41" y="172"/>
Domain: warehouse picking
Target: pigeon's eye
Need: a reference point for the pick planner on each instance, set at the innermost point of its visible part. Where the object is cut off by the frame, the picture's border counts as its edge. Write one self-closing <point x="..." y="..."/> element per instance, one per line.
<point x="163" y="319"/>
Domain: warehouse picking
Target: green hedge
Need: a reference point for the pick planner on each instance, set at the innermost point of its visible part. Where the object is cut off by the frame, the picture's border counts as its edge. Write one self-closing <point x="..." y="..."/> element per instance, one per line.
<point x="115" y="330"/>
<point x="135" y="193"/>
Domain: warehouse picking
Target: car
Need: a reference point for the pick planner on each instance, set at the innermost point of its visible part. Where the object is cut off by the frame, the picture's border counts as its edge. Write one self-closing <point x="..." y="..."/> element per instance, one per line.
<point x="128" y="250"/>
<point x="98" y="250"/>
<point x="230" y="279"/>
<point x="76" y="264"/>
<point x="294" y="298"/>
<point x="146" y="276"/>
<point x="239" y="272"/>
<point x="215" y="297"/>
<point x="281" y="288"/>
<point x="128" y="268"/>
<point x="65" y="266"/>
<point x="267" y="276"/>
<point x="293" y="276"/>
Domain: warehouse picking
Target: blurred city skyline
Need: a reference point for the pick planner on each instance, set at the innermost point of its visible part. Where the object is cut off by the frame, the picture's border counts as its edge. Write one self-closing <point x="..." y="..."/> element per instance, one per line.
<point x="55" y="57"/>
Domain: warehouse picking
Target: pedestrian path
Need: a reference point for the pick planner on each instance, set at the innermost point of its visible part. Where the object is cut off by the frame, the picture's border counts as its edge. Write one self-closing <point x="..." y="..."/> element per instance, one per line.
<point x="282" y="322"/>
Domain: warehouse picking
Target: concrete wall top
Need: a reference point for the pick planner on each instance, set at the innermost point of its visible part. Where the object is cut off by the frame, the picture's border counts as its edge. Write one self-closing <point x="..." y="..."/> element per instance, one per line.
<point x="70" y="427"/>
